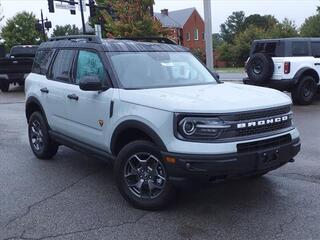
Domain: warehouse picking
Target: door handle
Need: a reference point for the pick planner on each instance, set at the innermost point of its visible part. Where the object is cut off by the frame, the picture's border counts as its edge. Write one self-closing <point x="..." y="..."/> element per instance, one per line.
<point x="73" y="97"/>
<point x="44" y="90"/>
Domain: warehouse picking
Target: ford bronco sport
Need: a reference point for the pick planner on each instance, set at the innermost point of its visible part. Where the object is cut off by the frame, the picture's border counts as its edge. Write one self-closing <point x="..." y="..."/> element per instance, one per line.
<point x="289" y="64"/>
<point x="157" y="113"/>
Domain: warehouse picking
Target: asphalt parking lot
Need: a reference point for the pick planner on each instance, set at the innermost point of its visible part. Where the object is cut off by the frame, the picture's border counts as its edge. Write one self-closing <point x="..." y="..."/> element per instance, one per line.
<point x="75" y="197"/>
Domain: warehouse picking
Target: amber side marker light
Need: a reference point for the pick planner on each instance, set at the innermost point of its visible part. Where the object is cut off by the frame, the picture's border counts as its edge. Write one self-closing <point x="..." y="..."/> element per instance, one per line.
<point x="171" y="160"/>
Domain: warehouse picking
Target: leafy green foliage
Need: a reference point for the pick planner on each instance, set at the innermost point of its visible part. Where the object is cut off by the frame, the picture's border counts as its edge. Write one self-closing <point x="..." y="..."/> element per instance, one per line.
<point x="235" y="50"/>
<point x="233" y="26"/>
<point x="65" y="30"/>
<point x="20" y="29"/>
<point x="311" y="27"/>
<point x="133" y="19"/>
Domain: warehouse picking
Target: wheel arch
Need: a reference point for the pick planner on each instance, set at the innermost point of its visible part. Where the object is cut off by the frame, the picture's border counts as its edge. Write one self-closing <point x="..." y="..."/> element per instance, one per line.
<point x="33" y="105"/>
<point x="124" y="132"/>
<point x="306" y="71"/>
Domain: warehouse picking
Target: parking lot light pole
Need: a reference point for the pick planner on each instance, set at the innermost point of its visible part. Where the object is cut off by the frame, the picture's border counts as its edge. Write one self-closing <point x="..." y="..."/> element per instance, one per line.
<point x="208" y="33"/>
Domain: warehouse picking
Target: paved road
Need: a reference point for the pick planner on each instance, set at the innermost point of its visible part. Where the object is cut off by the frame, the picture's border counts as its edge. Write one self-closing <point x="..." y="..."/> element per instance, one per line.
<point x="74" y="196"/>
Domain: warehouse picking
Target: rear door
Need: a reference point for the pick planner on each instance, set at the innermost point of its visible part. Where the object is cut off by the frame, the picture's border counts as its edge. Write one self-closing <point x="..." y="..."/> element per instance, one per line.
<point x="53" y="91"/>
<point x="88" y="113"/>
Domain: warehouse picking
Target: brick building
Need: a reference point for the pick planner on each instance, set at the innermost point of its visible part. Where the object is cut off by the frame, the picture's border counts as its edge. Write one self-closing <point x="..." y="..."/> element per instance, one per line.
<point x="186" y="27"/>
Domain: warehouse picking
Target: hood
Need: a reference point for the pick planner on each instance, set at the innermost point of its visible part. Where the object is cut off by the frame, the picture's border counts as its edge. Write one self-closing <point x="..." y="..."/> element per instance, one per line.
<point x="215" y="98"/>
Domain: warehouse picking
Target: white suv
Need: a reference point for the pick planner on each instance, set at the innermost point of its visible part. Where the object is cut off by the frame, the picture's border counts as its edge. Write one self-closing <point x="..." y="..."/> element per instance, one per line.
<point x="157" y="113"/>
<point x="288" y="64"/>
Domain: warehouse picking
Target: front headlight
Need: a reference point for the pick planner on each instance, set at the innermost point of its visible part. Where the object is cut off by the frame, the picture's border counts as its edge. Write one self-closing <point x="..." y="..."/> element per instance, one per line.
<point x="200" y="128"/>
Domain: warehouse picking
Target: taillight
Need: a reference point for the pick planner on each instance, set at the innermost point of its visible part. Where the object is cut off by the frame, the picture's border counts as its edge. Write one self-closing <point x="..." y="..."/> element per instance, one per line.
<point x="287" y="67"/>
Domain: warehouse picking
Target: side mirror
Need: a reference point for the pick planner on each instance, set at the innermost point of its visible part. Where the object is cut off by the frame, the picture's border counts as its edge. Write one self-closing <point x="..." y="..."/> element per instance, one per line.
<point x="215" y="75"/>
<point x="90" y="83"/>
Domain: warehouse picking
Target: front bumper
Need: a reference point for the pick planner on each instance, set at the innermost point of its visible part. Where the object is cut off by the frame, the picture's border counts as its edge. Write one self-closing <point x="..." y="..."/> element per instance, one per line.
<point x="210" y="168"/>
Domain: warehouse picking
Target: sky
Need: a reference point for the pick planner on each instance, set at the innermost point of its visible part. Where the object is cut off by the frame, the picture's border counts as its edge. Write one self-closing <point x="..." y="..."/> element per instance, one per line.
<point x="296" y="10"/>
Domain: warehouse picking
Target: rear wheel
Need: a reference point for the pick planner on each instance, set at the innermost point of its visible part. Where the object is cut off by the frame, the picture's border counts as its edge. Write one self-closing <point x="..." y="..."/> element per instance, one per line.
<point x="305" y="91"/>
<point x="41" y="144"/>
<point x="141" y="176"/>
<point x="4" y="86"/>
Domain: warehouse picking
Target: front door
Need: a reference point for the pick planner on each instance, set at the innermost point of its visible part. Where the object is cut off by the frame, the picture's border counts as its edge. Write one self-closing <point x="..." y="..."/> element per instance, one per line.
<point x="88" y="111"/>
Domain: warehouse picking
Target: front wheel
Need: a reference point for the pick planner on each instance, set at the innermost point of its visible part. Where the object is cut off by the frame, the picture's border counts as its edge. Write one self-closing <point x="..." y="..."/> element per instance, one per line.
<point x="141" y="176"/>
<point x="305" y="91"/>
<point x="41" y="144"/>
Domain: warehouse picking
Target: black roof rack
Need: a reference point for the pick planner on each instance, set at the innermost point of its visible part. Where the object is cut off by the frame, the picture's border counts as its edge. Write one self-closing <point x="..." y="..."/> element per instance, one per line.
<point x="89" y="38"/>
<point x="149" y="39"/>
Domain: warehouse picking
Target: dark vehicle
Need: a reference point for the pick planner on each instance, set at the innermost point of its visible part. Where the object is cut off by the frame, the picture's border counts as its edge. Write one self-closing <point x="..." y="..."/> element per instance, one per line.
<point x="287" y="64"/>
<point x="15" y="68"/>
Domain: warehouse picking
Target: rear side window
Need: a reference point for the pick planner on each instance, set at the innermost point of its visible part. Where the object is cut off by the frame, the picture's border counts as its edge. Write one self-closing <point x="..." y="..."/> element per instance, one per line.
<point x="300" y="49"/>
<point x="315" y="47"/>
<point x="42" y="61"/>
<point x="270" y="48"/>
<point x="62" y="67"/>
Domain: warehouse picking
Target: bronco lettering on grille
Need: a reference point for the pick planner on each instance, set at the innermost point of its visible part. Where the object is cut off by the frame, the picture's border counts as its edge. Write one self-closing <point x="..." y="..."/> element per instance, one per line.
<point x="263" y="122"/>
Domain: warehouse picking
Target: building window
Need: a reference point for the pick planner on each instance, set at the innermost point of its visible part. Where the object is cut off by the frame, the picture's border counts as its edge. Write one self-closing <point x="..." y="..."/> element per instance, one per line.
<point x="203" y="36"/>
<point x="188" y="36"/>
<point x="196" y="34"/>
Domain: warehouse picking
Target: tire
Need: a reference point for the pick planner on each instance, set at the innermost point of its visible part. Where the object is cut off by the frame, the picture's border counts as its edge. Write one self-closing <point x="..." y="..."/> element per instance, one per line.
<point x="260" y="68"/>
<point x="142" y="162"/>
<point x="41" y="144"/>
<point x="305" y="91"/>
<point x="4" y="86"/>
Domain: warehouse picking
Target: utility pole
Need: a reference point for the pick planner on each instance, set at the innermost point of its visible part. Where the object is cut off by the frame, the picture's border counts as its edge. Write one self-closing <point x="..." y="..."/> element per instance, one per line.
<point x="82" y="18"/>
<point x="208" y="33"/>
<point x="43" y="29"/>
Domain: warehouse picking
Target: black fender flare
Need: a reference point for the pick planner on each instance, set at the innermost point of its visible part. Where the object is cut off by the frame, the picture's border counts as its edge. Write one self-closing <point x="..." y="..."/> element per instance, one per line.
<point x="300" y="73"/>
<point x="34" y="100"/>
<point x="134" y="124"/>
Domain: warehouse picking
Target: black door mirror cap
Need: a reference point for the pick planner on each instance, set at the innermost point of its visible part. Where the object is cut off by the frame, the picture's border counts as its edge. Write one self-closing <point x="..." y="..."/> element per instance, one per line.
<point x="91" y="83"/>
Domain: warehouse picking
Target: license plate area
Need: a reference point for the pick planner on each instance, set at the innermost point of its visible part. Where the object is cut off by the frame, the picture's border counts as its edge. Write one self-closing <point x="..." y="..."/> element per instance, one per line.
<point x="268" y="159"/>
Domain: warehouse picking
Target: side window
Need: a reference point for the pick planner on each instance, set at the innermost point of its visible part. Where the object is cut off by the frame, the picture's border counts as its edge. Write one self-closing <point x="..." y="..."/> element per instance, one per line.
<point x="90" y="64"/>
<point x="42" y="61"/>
<point x="62" y="66"/>
<point x="315" y="46"/>
<point x="300" y="49"/>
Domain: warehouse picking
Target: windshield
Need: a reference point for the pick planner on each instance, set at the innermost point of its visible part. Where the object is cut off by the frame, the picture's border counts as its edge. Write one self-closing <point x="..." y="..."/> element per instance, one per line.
<point x="159" y="69"/>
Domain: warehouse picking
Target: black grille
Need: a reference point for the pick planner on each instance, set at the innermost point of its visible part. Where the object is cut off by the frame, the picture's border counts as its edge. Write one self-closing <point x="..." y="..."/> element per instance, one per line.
<point x="263" y="129"/>
<point x="246" y="117"/>
<point x="264" y="144"/>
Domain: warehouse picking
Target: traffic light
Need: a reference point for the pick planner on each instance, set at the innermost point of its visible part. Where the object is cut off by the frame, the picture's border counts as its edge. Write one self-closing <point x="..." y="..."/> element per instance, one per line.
<point x="38" y="26"/>
<point x="93" y="9"/>
<point x="73" y="12"/>
<point x="51" y="6"/>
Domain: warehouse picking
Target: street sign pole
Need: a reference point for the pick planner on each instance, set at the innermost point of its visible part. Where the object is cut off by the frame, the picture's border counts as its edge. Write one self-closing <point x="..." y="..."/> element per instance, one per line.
<point x="82" y="18"/>
<point x="208" y="33"/>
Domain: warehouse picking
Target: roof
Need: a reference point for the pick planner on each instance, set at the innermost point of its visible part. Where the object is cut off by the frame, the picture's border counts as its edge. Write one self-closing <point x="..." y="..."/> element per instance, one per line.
<point x="287" y="39"/>
<point x="175" y="19"/>
<point x="113" y="45"/>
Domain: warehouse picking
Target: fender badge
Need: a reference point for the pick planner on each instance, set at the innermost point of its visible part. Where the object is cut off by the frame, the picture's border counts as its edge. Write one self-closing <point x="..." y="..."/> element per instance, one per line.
<point x="101" y="123"/>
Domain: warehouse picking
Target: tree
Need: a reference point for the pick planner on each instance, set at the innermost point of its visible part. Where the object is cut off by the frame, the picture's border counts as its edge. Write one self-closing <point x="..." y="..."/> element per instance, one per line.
<point x="233" y="26"/>
<point x="65" y="30"/>
<point x="311" y="26"/>
<point x="133" y="18"/>
<point x="265" y="22"/>
<point x="216" y="40"/>
<point x="20" y="29"/>
<point x="1" y="13"/>
<point x="285" y="29"/>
